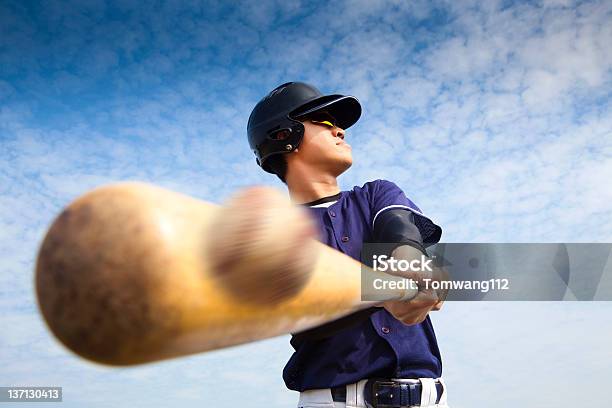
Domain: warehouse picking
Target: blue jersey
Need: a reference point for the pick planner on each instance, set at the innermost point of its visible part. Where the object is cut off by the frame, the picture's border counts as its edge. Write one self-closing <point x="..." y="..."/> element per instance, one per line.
<point x="377" y="345"/>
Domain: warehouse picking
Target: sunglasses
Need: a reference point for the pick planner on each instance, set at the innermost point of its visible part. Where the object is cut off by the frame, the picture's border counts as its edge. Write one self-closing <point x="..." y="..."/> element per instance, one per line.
<point x="322" y="118"/>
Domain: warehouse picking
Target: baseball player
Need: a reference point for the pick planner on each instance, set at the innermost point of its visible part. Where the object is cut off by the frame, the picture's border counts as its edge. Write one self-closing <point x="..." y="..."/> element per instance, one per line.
<point x="384" y="356"/>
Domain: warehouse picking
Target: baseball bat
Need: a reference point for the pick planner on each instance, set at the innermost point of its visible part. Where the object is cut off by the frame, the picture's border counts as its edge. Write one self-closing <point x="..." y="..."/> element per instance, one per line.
<point x="132" y="273"/>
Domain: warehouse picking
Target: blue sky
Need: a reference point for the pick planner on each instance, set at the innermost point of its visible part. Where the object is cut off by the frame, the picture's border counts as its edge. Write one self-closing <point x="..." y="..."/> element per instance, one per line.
<point x="494" y="117"/>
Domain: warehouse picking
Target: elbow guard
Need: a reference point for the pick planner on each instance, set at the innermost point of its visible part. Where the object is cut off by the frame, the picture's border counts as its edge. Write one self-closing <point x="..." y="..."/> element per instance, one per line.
<point x="397" y="226"/>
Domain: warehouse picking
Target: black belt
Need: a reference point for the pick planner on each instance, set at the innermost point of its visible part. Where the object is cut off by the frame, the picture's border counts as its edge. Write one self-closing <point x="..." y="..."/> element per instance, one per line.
<point x="385" y="393"/>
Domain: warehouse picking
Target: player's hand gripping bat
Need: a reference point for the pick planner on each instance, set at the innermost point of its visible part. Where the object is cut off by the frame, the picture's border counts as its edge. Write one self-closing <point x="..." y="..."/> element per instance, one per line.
<point x="132" y="273"/>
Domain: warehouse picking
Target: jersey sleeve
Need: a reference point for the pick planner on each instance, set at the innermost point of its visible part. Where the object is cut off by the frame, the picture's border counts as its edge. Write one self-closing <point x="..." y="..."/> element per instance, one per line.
<point x="385" y="195"/>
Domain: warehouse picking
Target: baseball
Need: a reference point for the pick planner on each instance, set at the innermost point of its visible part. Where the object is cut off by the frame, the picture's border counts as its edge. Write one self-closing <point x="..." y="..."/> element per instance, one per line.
<point x="262" y="251"/>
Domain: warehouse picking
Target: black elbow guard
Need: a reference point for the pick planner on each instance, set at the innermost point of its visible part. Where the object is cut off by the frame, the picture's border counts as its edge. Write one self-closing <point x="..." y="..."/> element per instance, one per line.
<point x="397" y="226"/>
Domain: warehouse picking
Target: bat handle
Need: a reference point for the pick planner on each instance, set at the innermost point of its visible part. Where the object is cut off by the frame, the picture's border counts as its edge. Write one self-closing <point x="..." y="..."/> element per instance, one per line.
<point x="410" y="292"/>
<point x="380" y="286"/>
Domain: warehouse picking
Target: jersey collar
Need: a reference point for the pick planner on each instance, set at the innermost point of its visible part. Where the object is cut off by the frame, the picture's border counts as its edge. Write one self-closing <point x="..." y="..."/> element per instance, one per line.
<point x="324" y="200"/>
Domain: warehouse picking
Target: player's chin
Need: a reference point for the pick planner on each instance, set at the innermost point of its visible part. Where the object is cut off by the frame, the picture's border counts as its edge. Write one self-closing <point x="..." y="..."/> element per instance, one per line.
<point x="344" y="163"/>
<point x="345" y="157"/>
<point x="345" y="154"/>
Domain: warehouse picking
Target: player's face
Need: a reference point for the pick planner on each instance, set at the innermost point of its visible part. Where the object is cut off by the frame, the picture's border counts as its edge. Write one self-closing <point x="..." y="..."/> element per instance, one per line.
<point x="324" y="146"/>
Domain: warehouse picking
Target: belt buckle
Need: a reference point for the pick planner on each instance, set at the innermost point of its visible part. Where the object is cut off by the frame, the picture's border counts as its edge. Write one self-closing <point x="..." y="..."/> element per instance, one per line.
<point x="399" y="393"/>
<point x="375" y="397"/>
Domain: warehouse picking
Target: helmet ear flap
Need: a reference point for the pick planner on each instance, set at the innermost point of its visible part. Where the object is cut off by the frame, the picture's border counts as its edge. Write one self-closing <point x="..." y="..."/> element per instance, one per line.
<point x="297" y="134"/>
<point x="286" y="132"/>
<point x="294" y="137"/>
<point x="291" y="135"/>
<point x="280" y="134"/>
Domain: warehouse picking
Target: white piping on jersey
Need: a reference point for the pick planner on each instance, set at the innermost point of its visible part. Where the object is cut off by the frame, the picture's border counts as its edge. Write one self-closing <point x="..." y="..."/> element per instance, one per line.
<point x="323" y="205"/>
<point x="395" y="206"/>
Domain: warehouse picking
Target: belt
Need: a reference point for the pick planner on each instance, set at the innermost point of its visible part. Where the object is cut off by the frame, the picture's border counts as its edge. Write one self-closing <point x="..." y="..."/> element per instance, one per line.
<point x="389" y="393"/>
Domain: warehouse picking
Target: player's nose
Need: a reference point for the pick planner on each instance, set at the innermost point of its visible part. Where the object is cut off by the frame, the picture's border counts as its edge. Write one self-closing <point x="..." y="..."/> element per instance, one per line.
<point x="338" y="132"/>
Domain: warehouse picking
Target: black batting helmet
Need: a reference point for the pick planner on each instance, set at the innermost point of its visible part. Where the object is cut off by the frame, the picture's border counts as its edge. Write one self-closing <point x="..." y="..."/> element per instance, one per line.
<point x="274" y="126"/>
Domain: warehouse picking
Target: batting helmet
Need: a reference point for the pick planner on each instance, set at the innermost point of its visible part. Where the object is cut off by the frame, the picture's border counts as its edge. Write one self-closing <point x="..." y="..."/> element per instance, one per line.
<point x="274" y="126"/>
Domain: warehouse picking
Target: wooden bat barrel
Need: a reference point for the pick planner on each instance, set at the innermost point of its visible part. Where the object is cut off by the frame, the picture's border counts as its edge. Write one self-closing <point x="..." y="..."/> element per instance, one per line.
<point x="123" y="277"/>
